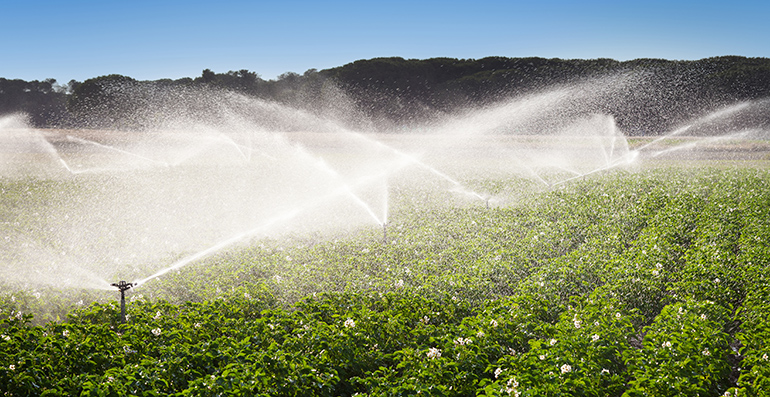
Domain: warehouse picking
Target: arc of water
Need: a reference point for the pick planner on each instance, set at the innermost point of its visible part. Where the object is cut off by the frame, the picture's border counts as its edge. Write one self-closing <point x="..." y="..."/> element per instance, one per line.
<point x="537" y="176"/>
<point x="414" y="160"/>
<point x="571" y="171"/>
<point x="112" y="148"/>
<point x="49" y="148"/>
<point x="699" y="142"/>
<point x="66" y="167"/>
<point x="458" y="186"/>
<point x="664" y="137"/>
<point x="325" y="167"/>
<point x="369" y="179"/>
<point x="531" y="171"/>
<point x="703" y="120"/>
<point x="243" y="150"/>
<point x="219" y="246"/>
<point x="283" y="217"/>
<point x="617" y="163"/>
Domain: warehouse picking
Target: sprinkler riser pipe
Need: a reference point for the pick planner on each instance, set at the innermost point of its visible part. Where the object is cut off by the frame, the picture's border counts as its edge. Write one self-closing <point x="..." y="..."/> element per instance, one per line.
<point x="384" y="233"/>
<point x="123" y="287"/>
<point x="122" y="306"/>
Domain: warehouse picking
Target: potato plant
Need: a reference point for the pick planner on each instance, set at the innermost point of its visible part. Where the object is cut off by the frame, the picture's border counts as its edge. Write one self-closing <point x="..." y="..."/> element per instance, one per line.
<point x="626" y="284"/>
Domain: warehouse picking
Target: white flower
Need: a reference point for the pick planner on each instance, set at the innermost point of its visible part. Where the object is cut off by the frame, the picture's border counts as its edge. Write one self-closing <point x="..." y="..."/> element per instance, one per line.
<point x="706" y="352"/>
<point x="513" y="383"/>
<point x="480" y="334"/>
<point x="493" y="323"/>
<point x="197" y="325"/>
<point x="433" y="353"/>
<point x="400" y="283"/>
<point x="65" y="333"/>
<point x="566" y="368"/>
<point x="605" y="371"/>
<point x="157" y="315"/>
<point x="667" y="344"/>
<point x="655" y="273"/>
<point x="6" y="338"/>
<point x="577" y="323"/>
<point x="156" y="331"/>
<point x="12" y="367"/>
<point x="595" y="337"/>
<point x="764" y="356"/>
<point x="425" y="320"/>
<point x="462" y="341"/>
<point x="349" y="323"/>
<point x="617" y="315"/>
<point x="553" y="342"/>
<point x="498" y="372"/>
<point x="542" y="356"/>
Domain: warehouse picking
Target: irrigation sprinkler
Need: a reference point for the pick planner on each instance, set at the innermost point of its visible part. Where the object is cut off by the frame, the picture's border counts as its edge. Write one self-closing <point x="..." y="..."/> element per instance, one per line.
<point x="385" y="233"/>
<point x="123" y="286"/>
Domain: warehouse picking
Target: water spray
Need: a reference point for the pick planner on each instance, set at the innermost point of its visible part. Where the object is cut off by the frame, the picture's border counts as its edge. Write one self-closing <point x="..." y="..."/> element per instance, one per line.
<point x="123" y="287"/>
<point x="114" y="149"/>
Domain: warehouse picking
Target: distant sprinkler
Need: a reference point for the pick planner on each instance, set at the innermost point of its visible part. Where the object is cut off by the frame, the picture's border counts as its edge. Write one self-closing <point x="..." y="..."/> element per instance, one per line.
<point x="384" y="232"/>
<point x="123" y="287"/>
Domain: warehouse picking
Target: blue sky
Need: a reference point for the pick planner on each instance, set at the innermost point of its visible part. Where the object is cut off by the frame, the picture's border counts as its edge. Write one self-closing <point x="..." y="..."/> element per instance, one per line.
<point x="149" y="40"/>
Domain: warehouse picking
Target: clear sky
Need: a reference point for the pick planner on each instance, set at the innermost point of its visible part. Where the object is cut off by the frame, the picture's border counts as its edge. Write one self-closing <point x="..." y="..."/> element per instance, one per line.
<point x="149" y="40"/>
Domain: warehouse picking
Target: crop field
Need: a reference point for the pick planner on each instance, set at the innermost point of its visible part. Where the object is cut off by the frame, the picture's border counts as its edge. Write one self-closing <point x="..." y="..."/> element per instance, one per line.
<point x="640" y="281"/>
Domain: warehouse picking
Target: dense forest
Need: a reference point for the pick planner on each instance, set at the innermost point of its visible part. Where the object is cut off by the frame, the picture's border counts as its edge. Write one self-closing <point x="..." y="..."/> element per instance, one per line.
<point x="656" y="94"/>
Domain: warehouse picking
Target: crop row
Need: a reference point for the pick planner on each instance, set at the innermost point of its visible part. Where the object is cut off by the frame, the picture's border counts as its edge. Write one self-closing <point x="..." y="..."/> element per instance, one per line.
<point x="630" y="284"/>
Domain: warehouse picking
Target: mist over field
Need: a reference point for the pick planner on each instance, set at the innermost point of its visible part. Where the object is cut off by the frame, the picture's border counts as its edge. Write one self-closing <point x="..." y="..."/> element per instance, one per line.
<point x="525" y="227"/>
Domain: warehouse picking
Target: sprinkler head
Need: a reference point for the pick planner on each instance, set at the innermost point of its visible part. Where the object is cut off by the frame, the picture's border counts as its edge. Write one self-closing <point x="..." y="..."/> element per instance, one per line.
<point x="122" y="285"/>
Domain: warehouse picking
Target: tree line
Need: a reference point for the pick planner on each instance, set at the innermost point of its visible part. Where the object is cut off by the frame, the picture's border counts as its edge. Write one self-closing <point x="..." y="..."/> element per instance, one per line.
<point x="398" y="91"/>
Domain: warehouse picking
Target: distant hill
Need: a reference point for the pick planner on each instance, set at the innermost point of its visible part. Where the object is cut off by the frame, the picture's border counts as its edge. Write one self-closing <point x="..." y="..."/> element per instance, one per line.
<point x="646" y="96"/>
